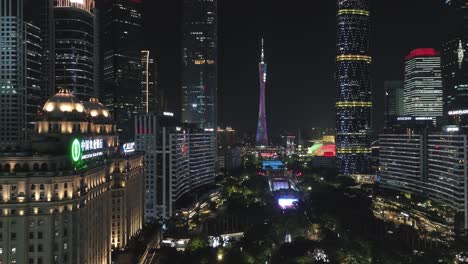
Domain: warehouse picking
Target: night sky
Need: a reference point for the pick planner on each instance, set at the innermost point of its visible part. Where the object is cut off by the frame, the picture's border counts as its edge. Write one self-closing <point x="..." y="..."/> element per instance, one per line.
<point x="300" y="51"/>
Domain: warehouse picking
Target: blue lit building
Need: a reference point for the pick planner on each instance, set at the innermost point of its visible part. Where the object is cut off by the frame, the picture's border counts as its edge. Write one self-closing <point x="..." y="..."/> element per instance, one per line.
<point x="353" y="101"/>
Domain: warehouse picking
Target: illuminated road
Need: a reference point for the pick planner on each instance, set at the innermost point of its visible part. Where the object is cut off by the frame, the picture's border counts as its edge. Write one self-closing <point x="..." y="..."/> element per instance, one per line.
<point x="150" y="255"/>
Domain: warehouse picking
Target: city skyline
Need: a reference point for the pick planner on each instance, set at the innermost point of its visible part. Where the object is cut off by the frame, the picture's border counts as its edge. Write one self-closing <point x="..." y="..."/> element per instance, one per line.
<point x="210" y="131"/>
<point x="300" y="62"/>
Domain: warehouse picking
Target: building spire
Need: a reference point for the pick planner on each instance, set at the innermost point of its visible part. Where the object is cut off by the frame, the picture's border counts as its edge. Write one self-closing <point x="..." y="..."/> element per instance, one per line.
<point x="263" y="53"/>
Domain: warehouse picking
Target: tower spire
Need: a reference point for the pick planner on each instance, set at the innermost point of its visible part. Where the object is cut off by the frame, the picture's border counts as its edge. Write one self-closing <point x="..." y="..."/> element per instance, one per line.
<point x="263" y="54"/>
<point x="262" y="135"/>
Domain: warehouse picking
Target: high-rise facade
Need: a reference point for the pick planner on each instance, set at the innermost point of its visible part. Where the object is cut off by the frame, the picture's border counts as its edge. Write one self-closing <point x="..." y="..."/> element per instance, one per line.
<point x="20" y="74"/>
<point x="262" y="131"/>
<point x="199" y="60"/>
<point x="454" y="61"/>
<point x="148" y="101"/>
<point x="121" y="27"/>
<point x="429" y="164"/>
<point x="76" y="47"/>
<point x="393" y="99"/>
<point x="353" y="101"/>
<point x="34" y="94"/>
<point x="178" y="160"/>
<point x="12" y="73"/>
<point x="423" y="84"/>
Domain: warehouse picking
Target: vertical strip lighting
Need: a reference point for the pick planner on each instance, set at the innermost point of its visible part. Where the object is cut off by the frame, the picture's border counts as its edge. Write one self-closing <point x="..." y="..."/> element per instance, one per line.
<point x="147" y="78"/>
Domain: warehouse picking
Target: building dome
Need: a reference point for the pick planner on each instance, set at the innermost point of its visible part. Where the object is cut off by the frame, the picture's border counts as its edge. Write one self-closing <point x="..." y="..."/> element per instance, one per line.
<point x="96" y="110"/>
<point x="63" y="102"/>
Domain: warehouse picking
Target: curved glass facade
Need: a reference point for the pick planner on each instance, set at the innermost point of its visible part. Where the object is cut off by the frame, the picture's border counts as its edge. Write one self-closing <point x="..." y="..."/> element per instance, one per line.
<point x="75" y="50"/>
<point x="354" y="103"/>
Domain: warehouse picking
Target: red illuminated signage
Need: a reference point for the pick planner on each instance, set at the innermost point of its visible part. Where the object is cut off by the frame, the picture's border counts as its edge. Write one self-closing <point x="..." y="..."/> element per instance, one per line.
<point x="425" y="52"/>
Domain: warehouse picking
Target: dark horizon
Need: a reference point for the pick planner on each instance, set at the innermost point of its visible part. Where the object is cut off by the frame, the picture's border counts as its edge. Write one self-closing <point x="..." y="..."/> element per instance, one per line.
<point x="299" y="51"/>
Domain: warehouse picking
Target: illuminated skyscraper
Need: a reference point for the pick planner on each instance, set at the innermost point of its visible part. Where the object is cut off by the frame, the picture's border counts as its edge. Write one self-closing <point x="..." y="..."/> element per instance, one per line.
<point x="454" y="61"/>
<point x="121" y="27"/>
<point x="76" y="47"/>
<point x="148" y="102"/>
<point x="353" y="102"/>
<point x="262" y="135"/>
<point x="422" y="95"/>
<point x="199" y="76"/>
<point x="20" y="74"/>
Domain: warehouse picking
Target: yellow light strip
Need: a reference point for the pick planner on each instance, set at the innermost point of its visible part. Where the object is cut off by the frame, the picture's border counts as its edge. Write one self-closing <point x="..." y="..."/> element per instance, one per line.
<point x="354" y="104"/>
<point x="354" y="58"/>
<point x="353" y="150"/>
<point x="353" y="12"/>
<point x="352" y="134"/>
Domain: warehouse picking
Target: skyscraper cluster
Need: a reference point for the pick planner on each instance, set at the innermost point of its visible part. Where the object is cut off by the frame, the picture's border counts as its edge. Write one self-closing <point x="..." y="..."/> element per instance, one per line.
<point x="80" y="187"/>
<point x="92" y="47"/>
<point x="423" y="148"/>
<point x="181" y="154"/>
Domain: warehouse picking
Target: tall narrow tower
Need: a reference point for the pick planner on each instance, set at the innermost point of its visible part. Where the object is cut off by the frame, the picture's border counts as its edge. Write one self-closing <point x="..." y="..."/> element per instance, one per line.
<point x="262" y="136"/>
<point x="353" y="101"/>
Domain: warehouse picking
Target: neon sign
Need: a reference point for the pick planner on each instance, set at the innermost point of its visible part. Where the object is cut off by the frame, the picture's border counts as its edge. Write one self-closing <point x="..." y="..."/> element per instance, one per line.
<point x="85" y="149"/>
<point x="91" y="144"/>
<point x="128" y="147"/>
<point x="458" y="112"/>
<point x="76" y="150"/>
<point x="423" y="118"/>
<point x="404" y="118"/>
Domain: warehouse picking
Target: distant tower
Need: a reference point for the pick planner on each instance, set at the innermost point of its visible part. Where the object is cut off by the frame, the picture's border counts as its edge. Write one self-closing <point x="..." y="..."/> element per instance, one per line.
<point x="262" y="135"/>
<point x="200" y="63"/>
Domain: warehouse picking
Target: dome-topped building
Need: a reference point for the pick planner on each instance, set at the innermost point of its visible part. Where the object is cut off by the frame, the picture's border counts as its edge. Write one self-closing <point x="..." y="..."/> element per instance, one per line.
<point x="64" y="113"/>
<point x="95" y="109"/>
<point x="63" y="102"/>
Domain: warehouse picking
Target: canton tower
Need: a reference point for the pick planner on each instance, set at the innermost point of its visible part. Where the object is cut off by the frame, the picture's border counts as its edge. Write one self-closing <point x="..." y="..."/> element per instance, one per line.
<point x="353" y="102"/>
<point x="262" y="135"/>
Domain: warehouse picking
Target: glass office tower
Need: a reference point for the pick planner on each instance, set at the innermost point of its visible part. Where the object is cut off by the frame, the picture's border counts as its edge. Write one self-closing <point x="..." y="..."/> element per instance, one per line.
<point x="76" y="47"/>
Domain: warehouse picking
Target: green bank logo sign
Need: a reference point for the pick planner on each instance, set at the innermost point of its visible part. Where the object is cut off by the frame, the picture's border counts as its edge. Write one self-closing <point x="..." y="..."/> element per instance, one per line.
<point x="76" y="150"/>
<point x="86" y="149"/>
